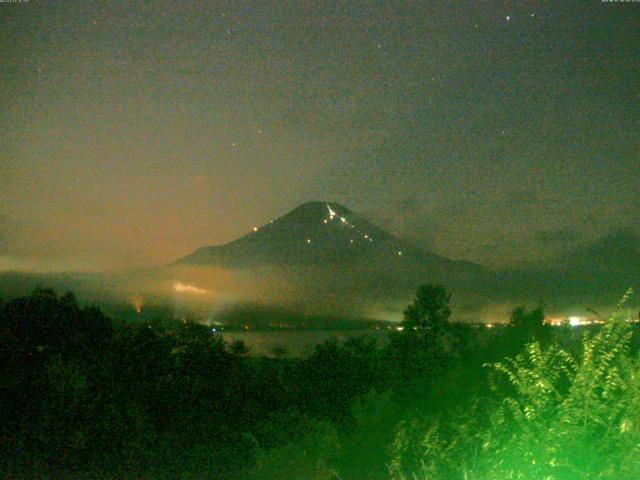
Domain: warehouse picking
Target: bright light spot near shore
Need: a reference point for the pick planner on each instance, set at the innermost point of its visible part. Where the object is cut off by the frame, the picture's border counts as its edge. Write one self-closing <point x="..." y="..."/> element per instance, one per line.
<point x="186" y="288"/>
<point x="399" y="329"/>
<point x="489" y="325"/>
<point x="255" y="229"/>
<point x="575" y="321"/>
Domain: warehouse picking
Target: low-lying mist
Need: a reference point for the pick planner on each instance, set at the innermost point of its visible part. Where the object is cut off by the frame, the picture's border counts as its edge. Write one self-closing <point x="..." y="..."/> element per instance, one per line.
<point x="280" y="295"/>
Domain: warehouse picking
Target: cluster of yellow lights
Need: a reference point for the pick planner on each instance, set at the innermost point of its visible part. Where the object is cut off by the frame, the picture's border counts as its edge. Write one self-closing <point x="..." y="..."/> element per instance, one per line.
<point x="186" y="288"/>
<point x="573" y="320"/>
<point x="333" y="215"/>
<point x="179" y="287"/>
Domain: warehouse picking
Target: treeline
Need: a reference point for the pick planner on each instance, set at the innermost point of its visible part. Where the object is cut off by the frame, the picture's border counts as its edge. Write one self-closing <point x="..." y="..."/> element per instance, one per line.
<point x="84" y="396"/>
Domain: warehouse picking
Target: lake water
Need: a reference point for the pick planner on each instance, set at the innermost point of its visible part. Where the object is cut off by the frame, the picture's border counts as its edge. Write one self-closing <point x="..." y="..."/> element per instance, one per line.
<point x="296" y="343"/>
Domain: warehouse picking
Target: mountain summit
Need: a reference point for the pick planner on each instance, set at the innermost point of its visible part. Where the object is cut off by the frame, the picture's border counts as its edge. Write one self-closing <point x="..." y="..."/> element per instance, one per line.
<point x="322" y="234"/>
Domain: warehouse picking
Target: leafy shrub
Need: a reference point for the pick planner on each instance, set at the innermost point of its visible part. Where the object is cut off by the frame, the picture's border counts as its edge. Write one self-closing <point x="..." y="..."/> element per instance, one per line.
<point x="567" y="417"/>
<point x="312" y="457"/>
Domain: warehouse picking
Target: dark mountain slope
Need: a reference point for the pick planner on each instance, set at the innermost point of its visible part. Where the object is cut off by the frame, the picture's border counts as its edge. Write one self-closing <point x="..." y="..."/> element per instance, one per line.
<point x="324" y="234"/>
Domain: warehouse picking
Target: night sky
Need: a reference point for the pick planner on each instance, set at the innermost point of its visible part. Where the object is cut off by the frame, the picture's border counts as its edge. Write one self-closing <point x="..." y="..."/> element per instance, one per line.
<point x="132" y="133"/>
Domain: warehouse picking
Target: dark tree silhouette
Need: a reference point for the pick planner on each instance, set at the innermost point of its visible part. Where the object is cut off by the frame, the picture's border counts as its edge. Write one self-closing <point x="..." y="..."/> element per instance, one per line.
<point x="239" y="348"/>
<point x="527" y="319"/>
<point x="279" y="351"/>
<point x="528" y="324"/>
<point x="429" y="312"/>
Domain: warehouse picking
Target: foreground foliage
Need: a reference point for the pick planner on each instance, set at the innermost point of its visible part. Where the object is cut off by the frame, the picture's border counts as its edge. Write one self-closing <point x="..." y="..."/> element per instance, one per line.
<point x="84" y="396"/>
<point x="570" y="417"/>
<point x="564" y="417"/>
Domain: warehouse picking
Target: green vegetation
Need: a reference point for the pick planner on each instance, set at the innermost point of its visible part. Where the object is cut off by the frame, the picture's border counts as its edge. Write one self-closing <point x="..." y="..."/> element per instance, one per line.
<point x="84" y="396"/>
